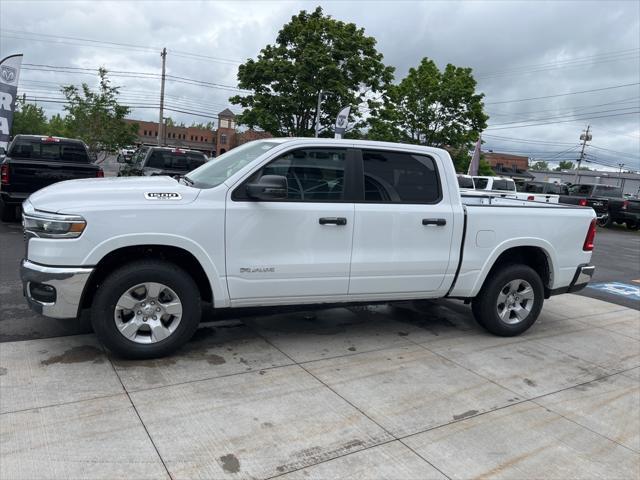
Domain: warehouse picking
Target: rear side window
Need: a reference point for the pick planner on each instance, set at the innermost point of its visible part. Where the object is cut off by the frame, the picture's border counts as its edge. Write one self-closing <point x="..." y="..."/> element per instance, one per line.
<point x="396" y="177"/>
<point x="607" y="191"/>
<point x="580" y="189"/>
<point x="465" y="182"/>
<point x="171" y="160"/>
<point x="504" y="185"/>
<point x="481" y="183"/>
<point x="49" y="150"/>
<point x="533" y="188"/>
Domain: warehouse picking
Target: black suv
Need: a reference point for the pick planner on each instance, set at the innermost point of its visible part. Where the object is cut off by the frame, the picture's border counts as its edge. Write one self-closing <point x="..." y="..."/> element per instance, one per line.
<point x="149" y="161"/>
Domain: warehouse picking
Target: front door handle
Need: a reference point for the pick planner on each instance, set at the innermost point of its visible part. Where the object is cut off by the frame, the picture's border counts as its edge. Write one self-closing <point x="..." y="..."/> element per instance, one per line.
<point x="333" y="221"/>
<point x="438" y="222"/>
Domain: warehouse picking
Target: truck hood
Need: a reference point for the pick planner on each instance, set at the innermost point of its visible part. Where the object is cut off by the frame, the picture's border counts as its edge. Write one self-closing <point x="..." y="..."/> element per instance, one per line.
<point x="76" y="196"/>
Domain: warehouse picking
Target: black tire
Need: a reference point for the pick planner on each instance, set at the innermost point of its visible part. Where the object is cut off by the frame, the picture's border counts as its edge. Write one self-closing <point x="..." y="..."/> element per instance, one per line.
<point x="7" y="212"/>
<point x="605" y="222"/>
<point x="485" y="304"/>
<point x="632" y="226"/>
<point x="136" y="273"/>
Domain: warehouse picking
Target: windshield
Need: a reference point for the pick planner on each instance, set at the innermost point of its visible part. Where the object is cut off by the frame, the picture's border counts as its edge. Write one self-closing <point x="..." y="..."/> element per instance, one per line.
<point x="51" y="149"/>
<point x="216" y="171"/>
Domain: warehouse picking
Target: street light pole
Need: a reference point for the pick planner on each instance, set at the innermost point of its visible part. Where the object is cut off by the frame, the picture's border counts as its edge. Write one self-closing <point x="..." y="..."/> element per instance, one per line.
<point x="318" y="112"/>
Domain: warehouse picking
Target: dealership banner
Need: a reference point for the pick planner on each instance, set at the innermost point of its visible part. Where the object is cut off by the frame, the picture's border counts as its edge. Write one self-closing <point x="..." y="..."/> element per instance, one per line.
<point x="341" y="122"/>
<point x="9" y="73"/>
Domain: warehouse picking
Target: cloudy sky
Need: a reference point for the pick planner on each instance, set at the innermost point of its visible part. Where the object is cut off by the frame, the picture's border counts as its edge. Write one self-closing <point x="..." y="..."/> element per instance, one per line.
<point x="581" y="57"/>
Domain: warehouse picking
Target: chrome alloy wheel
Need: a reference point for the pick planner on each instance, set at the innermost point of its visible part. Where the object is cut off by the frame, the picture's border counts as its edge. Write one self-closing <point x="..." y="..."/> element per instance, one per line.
<point x="148" y="313"/>
<point x="515" y="301"/>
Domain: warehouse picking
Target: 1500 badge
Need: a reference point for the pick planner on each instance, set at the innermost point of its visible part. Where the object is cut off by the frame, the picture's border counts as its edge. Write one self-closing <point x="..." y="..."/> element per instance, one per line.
<point x="162" y="196"/>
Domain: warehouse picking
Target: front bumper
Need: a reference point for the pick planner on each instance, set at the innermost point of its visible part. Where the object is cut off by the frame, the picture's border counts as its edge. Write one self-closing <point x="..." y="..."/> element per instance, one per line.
<point x="54" y="292"/>
<point x="580" y="280"/>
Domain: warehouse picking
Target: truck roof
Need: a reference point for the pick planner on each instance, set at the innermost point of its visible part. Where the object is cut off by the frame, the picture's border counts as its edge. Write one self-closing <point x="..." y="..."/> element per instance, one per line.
<point x="35" y="137"/>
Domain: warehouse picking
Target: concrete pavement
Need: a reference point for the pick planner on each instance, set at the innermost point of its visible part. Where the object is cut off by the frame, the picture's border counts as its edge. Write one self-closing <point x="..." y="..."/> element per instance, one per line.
<point x="415" y="390"/>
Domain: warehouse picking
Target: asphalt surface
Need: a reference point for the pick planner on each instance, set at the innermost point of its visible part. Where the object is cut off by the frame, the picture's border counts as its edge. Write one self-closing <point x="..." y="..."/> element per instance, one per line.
<point x="617" y="259"/>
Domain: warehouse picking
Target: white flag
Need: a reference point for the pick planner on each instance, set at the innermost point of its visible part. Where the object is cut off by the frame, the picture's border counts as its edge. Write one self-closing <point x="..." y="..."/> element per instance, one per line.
<point x="342" y="120"/>
<point x="9" y="73"/>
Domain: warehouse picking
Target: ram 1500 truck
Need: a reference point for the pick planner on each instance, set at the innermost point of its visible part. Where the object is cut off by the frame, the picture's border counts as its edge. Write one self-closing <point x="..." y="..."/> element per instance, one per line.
<point x="293" y="222"/>
<point x="35" y="161"/>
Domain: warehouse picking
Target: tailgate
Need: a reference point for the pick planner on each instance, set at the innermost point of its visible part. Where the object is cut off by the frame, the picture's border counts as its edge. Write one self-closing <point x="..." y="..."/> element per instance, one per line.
<point x="32" y="175"/>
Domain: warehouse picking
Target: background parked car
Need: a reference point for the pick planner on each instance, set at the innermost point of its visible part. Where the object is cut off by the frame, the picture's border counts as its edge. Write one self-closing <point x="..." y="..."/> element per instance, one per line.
<point x="33" y="162"/>
<point x="162" y="161"/>
<point x="508" y="186"/>
<point x="126" y="153"/>
<point x="465" y="182"/>
<point x="608" y="202"/>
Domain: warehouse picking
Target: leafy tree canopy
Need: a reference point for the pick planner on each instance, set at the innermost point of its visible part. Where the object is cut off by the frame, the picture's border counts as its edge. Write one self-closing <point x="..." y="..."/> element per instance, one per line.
<point x="564" y="165"/>
<point x="97" y="118"/>
<point x="312" y="52"/>
<point x="432" y="107"/>
<point x="28" y="119"/>
<point x="539" y="165"/>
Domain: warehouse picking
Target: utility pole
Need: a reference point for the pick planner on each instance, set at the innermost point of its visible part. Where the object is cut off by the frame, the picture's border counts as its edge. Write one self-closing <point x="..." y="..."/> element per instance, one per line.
<point x="585" y="137"/>
<point x="318" y="112"/>
<point x="160" y="121"/>
<point x="620" y="174"/>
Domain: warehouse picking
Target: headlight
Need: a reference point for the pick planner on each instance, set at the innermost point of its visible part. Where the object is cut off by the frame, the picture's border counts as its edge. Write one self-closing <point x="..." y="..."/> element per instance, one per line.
<point x="51" y="225"/>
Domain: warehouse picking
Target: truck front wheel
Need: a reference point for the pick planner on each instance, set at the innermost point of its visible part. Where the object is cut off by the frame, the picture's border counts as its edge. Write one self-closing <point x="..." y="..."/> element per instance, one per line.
<point x="146" y="309"/>
<point x="509" y="301"/>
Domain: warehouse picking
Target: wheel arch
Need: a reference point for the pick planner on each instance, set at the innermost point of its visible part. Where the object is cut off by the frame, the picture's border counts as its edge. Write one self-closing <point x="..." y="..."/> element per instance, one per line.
<point x="536" y="255"/>
<point x="122" y="255"/>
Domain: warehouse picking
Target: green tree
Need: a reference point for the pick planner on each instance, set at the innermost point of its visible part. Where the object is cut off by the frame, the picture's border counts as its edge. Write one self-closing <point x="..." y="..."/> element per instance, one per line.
<point x="432" y="107"/>
<point x="312" y="53"/>
<point x="564" y="165"/>
<point x="539" y="165"/>
<point x="28" y="119"/>
<point x="57" y="126"/>
<point x="98" y="118"/>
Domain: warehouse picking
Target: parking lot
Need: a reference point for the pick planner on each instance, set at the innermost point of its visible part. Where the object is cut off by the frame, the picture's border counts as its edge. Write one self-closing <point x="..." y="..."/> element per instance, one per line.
<point x="411" y="390"/>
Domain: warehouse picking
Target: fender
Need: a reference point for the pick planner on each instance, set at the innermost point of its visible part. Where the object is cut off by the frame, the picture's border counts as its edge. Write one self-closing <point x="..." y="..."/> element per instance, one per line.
<point x="544" y="245"/>
<point x="216" y="280"/>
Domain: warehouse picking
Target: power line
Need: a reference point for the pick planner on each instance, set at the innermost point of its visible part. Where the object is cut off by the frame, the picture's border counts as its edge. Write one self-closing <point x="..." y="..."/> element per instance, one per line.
<point x="563" y="121"/>
<point x="116" y="45"/>
<point x="564" y="94"/>
<point x="563" y="116"/>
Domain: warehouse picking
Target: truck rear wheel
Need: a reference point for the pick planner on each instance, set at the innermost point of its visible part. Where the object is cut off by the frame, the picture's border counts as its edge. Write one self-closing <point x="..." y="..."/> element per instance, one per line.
<point x="146" y="309"/>
<point x="509" y="301"/>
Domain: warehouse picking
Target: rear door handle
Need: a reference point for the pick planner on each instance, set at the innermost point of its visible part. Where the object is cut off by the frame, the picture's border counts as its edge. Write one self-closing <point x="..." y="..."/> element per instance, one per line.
<point x="438" y="222"/>
<point x="333" y="221"/>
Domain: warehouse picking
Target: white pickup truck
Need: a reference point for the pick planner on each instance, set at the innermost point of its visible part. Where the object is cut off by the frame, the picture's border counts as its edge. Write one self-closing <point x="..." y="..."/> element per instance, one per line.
<point x="293" y="222"/>
<point x="506" y="187"/>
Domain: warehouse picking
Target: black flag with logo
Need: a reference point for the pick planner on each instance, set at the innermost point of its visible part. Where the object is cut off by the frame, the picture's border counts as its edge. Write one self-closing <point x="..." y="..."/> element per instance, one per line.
<point x="9" y="73"/>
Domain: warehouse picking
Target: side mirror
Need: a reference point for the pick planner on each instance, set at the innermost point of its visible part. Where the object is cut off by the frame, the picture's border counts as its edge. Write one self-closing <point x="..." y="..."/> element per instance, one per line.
<point x="269" y="187"/>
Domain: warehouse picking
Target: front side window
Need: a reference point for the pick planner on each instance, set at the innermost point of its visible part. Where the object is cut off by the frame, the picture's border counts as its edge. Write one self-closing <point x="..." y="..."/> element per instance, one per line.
<point x="398" y="177"/>
<point x="313" y="174"/>
<point x="580" y="189"/>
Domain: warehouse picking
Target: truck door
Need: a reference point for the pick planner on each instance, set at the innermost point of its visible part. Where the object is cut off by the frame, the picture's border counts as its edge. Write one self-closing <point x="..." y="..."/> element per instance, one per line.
<point x="403" y="228"/>
<point x="299" y="247"/>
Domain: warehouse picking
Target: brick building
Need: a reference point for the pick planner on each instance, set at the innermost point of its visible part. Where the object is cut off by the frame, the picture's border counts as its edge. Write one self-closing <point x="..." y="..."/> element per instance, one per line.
<point x="211" y="142"/>
<point x="504" y="164"/>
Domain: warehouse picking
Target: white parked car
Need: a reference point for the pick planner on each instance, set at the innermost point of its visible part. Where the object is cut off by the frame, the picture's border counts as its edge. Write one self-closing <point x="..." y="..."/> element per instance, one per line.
<point x="293" y="222"/>
<point x="508" y="186"/>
